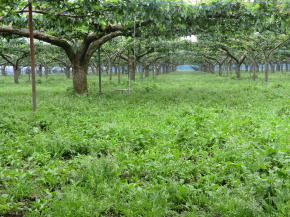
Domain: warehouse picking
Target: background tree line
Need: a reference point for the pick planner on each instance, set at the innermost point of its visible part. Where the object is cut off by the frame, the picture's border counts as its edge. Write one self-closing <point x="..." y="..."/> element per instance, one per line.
<point x="146" y="37"/>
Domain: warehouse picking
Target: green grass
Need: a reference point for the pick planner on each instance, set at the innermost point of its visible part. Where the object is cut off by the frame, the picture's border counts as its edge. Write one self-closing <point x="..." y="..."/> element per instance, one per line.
<point x="182" y="144"/>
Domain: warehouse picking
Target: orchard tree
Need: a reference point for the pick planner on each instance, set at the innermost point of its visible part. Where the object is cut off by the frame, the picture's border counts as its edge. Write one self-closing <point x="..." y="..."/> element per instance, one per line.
<point x="14" y="52"/>
<point x="231" y="32"/>
<point x="270" y="44"/>
<point x="132" y="57"/>
<point x="261" y="47"/>
<point x="79" y="27"/>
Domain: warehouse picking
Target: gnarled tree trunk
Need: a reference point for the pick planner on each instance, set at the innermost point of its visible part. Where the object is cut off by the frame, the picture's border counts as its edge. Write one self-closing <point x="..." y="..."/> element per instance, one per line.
<point x="131" y="69"/>
<point x="79" y="72"/>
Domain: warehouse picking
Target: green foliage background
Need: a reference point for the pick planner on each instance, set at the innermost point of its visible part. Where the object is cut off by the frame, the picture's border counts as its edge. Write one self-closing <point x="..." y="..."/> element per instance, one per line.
<point x="183" y="144"/>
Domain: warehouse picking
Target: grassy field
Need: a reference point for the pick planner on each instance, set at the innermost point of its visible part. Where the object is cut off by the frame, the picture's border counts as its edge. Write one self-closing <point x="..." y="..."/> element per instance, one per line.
<point x="182" y="144"/>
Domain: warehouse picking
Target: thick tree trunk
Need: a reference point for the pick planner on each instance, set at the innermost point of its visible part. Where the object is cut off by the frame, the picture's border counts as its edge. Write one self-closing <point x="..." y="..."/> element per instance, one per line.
<point x="16" y="74"/>
<point x="79" y="71"/>
<point x="266" y="71"/>
<point x="287" y="67"/>
<point x="238" y="71"/>
<point x="131" y="70"/>
<point x="220" y="69"/>
<point x="40" y="70"/>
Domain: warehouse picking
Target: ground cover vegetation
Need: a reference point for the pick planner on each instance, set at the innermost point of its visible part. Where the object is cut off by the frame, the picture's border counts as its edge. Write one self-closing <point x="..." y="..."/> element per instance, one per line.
<point x="180" y="144"/>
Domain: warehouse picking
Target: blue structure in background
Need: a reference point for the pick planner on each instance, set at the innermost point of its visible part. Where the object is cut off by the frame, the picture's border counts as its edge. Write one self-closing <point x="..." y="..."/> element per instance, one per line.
<point x="196" y="67"/>
<point x="187" y="68"/>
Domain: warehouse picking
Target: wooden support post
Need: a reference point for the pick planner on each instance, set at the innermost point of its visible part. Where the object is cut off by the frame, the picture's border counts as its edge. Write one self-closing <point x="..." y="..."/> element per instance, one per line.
<point x="32" y="58"/>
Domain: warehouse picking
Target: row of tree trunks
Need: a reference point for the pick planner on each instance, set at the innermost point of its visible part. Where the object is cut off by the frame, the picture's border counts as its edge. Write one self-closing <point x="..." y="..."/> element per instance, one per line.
<point x="17" y="71"/>
<point x="254" y="68"/>
<point x="131" y="69"/>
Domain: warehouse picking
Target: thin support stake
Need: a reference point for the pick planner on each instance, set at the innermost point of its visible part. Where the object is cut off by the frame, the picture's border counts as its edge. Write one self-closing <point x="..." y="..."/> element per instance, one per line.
<point x="32" y="58"/>
<point x="100" y="73"/>
<point x="134" y="56"/>
<point x="129" y="74"/>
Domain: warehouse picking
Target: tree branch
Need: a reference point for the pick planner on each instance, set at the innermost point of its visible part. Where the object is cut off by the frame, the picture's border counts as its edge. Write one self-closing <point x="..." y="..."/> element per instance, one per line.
<point x="212" y="58"/>
<point x="9" y="30"/>
<point x="94" y="46"/>
<point x="238" y="61"/>
<point x="55" y="14"/>
<point x="123" y="57"/>
<point x="138" y="57"/>
<point x="26" y="54"/>
<point x="278" y="45"/>
<point x="225" y="50"/>
<point x="63" y="62"/>
<point x="6" y="57"/>
<point x="243" y="58"/>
